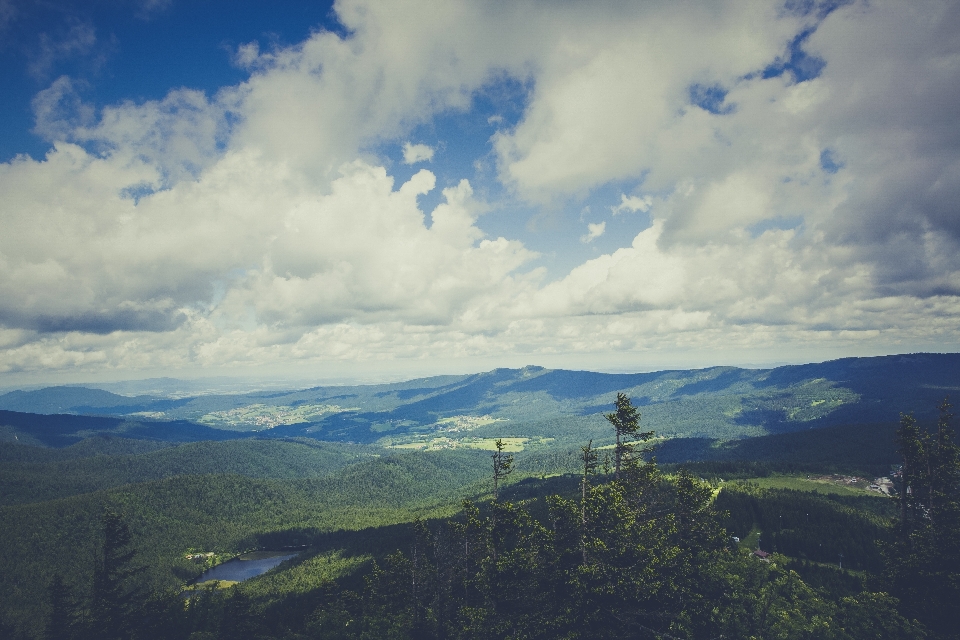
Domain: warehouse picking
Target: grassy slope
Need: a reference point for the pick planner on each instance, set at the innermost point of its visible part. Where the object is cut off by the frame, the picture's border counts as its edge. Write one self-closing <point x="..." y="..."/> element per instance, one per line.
<point x="800" y="483"/>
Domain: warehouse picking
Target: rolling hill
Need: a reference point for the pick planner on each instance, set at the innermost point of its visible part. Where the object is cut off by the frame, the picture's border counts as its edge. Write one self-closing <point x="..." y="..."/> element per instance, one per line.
<point x="717" y="403"/>
<point x="229" y="472"/>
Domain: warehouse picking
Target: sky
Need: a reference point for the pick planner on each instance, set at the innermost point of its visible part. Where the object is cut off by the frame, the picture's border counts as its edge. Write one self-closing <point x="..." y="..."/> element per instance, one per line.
<point x="375" y="189"/>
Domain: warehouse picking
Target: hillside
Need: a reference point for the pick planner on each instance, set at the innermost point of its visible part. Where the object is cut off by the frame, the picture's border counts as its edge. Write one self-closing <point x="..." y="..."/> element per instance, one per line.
<point x="717" y="403"/>
<point x="224" y="513"/>
<point x="30" y="474"/>
<point x="428" y="445"/>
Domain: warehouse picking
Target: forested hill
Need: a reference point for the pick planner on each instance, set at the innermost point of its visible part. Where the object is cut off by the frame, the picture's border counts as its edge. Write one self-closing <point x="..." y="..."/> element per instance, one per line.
<point x="718" y="402"/>
<point x="550" y="551"/>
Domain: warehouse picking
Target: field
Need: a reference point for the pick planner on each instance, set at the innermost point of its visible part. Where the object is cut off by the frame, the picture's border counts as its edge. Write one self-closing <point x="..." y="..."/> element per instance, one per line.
<point x="510" y="445"/>
<point x="259" y="417"/>
<point x="836" y="485"/>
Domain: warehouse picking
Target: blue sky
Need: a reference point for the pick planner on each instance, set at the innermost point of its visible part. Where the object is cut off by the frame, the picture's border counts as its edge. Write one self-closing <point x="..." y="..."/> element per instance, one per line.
<point x="130" y="50"/>
<point x="392" y="189"/>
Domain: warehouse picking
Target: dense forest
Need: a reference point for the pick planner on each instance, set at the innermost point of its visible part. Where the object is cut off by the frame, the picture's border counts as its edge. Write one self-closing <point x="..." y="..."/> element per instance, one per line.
<point x="591" y="543"/>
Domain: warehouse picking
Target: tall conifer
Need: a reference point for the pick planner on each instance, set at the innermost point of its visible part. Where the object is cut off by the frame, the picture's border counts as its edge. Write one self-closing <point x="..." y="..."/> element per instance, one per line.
<point x="115" y="598"/>
<point x="626" y="425"/>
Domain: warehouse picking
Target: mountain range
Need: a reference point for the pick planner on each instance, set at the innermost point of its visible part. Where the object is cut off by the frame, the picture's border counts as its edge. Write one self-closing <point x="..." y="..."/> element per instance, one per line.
<point x="536" y="404"/>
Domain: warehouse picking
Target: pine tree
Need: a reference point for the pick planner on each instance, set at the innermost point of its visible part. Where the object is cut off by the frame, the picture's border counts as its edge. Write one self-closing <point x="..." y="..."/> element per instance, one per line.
<point x="237" y="621"/>
<point x="626" y="425"/>
<point x="115" y="597"/>
<point x="502" y="465"/>
<point x="910" y="444"/>
<point x="62" y="623"/>
<point x="924" y="564"/>
<point x="588" y="456"/>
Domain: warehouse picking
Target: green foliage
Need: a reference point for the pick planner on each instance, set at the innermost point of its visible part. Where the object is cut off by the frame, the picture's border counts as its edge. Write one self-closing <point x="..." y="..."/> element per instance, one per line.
<point x="626" y="428"/>
<point x="64" y="611"/>
<point x="222" y="513"/>
<point x="643" y="556"/>
<point x="924" y="560"/>
<point x="861" y="449"/>
<point x="806" y="525"/>
<point x="112" y="604"/>
<point x="649" y="559"/>
<point x="828" y="578"/>
<point x="116" y="597"/>
<point x="874" y="615"/>
<point x="32" y="474"/>
<point x="502" y="466"/>
<point x="548" y="463"/>
<point x="639" y="556"/>
<point x="582" y="555"/>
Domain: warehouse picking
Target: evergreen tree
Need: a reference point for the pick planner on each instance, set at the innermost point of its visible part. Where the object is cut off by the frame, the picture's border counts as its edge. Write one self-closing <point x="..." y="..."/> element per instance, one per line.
<point x="588" y="457"/>
<point x="237" y="621"/>
<point x="502" y="465"/>
<point x="626" y="425"/>
<point x="874" y="615"/>
<point x="9" y="631"/>
<point x="924" y="564"/>
<point x="911" y="446"/>
<point x="62" y="623"/>
<point x="115" y="598"/>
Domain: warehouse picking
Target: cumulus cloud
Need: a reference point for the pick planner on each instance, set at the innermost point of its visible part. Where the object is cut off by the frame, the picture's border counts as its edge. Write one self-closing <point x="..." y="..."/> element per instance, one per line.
<point x="812" y="204"/>
<point x="59" y="111"/>
<point x="80" y="256"/>
<point x="605" y="110"/>
<point x="414" y="153"/>
<point x="178" y="135"/>
<point x="247" y="55"/>
<point x="632" y="204"/>
<point x="594" y="231"/>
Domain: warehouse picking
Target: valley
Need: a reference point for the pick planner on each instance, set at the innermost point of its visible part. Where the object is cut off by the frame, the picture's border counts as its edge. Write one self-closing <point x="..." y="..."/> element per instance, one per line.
<point x="343" y="474"/>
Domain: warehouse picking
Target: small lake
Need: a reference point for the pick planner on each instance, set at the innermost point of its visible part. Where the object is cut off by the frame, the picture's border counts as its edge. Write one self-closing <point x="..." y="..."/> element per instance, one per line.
<point x="247" y="566"/>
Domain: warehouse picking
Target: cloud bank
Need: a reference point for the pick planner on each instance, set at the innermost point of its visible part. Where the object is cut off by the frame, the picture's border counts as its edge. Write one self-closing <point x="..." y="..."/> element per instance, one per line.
<point x="798" y="165"/>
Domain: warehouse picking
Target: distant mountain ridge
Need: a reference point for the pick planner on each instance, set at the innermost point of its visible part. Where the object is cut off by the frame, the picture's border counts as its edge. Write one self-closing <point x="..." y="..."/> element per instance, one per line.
<point x="717" y="402"/>
<point x="82" y="400"/>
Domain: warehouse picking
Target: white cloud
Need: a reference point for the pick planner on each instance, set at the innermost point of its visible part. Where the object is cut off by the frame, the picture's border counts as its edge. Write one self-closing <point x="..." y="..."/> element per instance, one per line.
<point x="594" y="231"/>
<point x="604" y="108"/>
<point x="81" y="256"/>
<point x="59" y="111"/>
<point x="242" y="229"/>
<point x="247" y="55"/>
<point x="414" y="153"/>
<point x="632" y="204"/>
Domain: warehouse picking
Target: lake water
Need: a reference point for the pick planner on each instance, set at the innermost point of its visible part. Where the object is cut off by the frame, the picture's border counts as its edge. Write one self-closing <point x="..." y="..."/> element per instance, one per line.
<point x="239" y="569"/>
